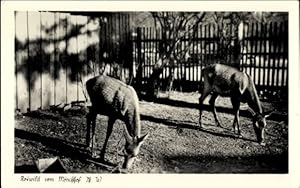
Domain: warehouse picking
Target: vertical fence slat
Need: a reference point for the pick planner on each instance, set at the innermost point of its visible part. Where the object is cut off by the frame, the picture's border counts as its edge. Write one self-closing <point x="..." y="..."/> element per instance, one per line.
<point x="279" y="57"/>
<point x="16" y="64"/>
<point x="277" y="51"/>
<point x="22" y="84"/>
<point x="274" y="65"/>
<point x="246" y="46"/>
<point x="34" y="59"/>
<point x="201" y="33"/>
<point x="255" y="34"/>
<point x="264" y="51"/>
<point x="193" y="57"/>
<point x="148" y="47"/>
<point x="286" y="51"/>
<point x="260" y="34"/>
<point x="197" y="58"/>
<point x="72" y="60"/>
<point x="61" y="61"/>
<point x="269" y="54"/>
<point x="283" y="52"/>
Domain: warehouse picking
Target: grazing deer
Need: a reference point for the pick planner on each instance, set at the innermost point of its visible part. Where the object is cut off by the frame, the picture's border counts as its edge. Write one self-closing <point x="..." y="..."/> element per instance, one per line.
<point x="117" y="100"/>
<point x="225" y="80"/>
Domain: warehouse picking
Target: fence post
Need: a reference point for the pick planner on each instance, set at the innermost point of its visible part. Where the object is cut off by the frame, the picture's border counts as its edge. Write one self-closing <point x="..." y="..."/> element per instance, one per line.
<point x="139" y="76"/>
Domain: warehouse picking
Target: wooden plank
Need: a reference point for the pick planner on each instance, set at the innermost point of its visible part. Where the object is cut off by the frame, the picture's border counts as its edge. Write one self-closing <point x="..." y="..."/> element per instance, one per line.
<point x="265" y="53"/>
<point x="153" y="49"/>
<point x="278" y="50"/>
<point x="157" y="43"/>
<point x="65" y="55"/>
<point x="249" y="49"/>
<point x="231" y="61"/>
<point x="82" y="45"/>
<point x="34" y="28"/>
<point x="200" y="33"/>
<point x="21" y="58"/>
<point x="286" y="50"/>
<point x="260" y="56"/>
<point x="60" y="80"/>
<point x="16" y="65"/>
<point x="193" y="57"/>
<point x="92" y="47"/>
<point x="72" y="62"/>
<point x="284" y="68"/>
<point x="269" y="58"/>
<point x="109" y="42"/>
<point x="273" y="75"/>
<point x="252" y="50"/>
<point x="245" y="46"/>
<point x="142" y="52"/>
<point x="47" y="20"/>
<point x="255" y="73"/>
<point x="214" y="42"/>
<point x="198" y="57"/>
<point x="147" y="53"/>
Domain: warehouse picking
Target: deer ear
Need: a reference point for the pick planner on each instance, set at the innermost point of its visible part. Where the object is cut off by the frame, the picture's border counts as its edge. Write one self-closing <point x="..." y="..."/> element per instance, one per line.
<point x="143" y="138"/>
<point x="267" y="114"/>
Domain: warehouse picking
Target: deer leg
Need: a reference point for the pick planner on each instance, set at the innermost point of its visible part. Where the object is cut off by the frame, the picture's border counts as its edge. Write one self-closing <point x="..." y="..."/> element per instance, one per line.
<point x="236" y="109"/>
<point x="205" y="93"/>
<point x="88" y="129"/>
<point x="91" y="119"/>
<point x="111" y="122"/>
<point x="212" y="103"/>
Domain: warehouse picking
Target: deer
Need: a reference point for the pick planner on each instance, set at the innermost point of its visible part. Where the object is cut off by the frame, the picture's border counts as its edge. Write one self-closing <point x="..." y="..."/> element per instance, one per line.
<point x="117" y="100"/>
<point x="225" y="80"/>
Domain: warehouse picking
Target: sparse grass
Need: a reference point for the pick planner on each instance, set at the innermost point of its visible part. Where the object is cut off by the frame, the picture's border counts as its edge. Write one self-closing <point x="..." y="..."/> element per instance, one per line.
<point x="176" y="143"/>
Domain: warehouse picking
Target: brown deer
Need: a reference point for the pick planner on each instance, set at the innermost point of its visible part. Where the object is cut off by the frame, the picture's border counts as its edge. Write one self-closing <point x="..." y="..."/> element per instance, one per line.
<point x="225" y="80"/>
<point x="117" y="100"/>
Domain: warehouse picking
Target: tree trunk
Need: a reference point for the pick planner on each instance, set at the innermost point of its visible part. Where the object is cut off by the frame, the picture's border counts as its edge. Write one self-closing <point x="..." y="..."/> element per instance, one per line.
<point x="170" y="81"/>
<point x="153" y="84"/>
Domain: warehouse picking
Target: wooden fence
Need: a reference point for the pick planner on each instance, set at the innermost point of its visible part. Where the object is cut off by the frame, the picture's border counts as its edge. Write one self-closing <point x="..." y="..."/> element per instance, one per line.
<point x="56" y="52"/>
<point x="263" y="55"/>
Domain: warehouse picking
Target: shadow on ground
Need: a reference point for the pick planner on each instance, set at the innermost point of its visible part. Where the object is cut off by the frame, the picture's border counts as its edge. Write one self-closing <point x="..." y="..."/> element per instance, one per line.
<point x="179" y="125"/>
<point x="236" y="164"/>
<point x="245" y="113"/>
<point x="58" y="147"/>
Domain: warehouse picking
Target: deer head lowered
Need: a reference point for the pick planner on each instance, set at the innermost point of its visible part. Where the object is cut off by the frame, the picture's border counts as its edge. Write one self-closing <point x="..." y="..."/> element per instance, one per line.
<point x="225" y="80"/>
<point x="117" y="100"/>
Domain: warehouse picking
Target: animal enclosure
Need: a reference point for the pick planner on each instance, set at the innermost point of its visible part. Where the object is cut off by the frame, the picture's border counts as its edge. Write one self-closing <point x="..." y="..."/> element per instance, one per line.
<point x="56" y="52"/>
<point x="263" y="55"/>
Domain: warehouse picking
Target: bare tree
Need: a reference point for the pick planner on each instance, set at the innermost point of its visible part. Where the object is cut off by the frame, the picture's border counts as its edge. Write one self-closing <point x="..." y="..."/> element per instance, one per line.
<point x="228" y="43"/>
<point x="175" y="27"/>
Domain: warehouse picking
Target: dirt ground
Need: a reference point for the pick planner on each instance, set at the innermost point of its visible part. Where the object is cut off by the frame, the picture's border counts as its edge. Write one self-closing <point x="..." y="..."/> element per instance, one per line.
<point x="176" y="144"/>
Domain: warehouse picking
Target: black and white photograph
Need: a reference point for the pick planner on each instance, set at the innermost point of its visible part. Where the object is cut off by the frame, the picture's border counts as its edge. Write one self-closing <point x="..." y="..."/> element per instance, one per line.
<point x="152" y="91"/>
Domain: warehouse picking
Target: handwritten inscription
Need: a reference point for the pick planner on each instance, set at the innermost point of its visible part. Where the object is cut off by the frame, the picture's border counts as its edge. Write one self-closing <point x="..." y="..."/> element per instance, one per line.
<point x="62" y="179"/>
<point x="72" y="179"/>
<point x="31" y="178"/>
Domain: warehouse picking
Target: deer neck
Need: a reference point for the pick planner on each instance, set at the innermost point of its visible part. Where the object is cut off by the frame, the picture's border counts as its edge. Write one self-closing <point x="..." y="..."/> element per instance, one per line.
<point x="253" y="99"/>
<point x="133" y="125"/>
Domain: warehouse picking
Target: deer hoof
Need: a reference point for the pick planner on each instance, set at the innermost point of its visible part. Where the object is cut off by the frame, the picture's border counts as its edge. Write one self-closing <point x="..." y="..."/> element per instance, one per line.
<point x="101" y="158"/>
<point x="219" y="125"/>
<point x="262" y="144"/>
